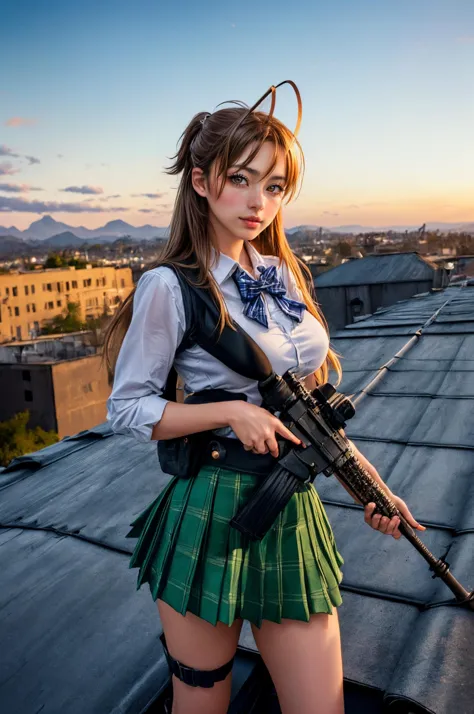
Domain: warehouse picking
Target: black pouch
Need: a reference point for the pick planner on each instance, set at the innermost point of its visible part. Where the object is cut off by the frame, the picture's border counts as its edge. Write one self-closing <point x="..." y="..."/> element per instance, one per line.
<point x="183" y="456"/>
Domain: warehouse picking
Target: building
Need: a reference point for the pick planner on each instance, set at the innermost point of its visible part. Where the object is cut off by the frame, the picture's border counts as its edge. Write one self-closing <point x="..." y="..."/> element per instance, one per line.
<point x="28" y="299"/>
<point x="87" y="641"/>
<point x="65" y="395"/>
<point x="359" y="287"/>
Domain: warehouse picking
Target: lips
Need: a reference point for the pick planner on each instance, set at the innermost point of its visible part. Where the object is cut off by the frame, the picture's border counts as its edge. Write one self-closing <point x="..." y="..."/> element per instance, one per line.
<point x="252" y="219"/>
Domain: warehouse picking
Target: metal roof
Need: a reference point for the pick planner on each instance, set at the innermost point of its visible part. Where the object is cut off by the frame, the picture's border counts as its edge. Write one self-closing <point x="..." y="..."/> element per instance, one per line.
<point x="77" y="636"/>
<point x="378" y="268"/>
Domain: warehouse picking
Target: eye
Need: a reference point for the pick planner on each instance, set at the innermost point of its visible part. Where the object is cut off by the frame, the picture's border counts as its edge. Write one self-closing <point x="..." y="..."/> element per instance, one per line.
<point x="237" y="176"/>
<point x="276" y="185"/>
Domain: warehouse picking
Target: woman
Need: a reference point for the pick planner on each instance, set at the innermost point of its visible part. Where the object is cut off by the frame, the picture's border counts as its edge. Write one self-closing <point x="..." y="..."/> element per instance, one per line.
<point x="237" y="166"/>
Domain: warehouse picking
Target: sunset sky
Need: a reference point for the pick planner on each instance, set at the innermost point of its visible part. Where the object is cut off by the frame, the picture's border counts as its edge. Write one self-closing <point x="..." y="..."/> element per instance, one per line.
<point x="94" y="96"/>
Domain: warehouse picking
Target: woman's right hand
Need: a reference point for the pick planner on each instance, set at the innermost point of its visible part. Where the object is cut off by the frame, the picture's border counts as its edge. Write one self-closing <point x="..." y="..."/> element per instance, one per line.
<point x="256" y="427"/>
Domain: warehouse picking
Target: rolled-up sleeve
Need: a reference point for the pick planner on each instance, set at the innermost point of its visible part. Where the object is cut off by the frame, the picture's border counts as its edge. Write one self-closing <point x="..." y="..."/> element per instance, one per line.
<point x="146" y="356"/>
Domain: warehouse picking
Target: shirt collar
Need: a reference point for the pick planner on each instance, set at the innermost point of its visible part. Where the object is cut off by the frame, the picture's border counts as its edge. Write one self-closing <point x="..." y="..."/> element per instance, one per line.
<point x="225" y="265"/>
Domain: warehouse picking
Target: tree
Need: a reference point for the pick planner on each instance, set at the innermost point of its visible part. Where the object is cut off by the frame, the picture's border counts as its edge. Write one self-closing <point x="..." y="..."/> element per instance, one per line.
<point x="69" y="321"/>
<point x="54" y="260"/>
<point x="344" y="249"/>
<point x="16" y="439"/>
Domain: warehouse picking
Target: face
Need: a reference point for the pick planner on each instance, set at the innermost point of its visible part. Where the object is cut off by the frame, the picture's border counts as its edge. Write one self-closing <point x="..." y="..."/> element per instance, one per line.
<point x="246" y="195"/>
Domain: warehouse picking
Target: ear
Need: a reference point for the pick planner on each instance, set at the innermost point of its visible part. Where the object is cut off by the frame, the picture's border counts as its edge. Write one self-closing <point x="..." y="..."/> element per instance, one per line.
<point x="198" y="180"/>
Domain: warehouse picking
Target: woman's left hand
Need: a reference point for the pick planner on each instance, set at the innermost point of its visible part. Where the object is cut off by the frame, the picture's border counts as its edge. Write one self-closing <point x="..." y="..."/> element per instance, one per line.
<point x="389" y="526"/>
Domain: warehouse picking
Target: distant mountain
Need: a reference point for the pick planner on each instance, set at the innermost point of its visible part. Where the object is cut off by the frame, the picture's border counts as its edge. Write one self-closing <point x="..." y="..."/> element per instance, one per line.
<point x="445" y="227"/>
<point x="11" y="232"/>
<point x="47" y="227"/>
<point x="64" y="240"/>
<point x="11" y="245"/>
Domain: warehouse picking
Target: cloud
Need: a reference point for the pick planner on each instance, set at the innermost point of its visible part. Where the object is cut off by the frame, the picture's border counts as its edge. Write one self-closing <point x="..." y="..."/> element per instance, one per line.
<point x="6" y="151"/>
<point x="330" y="213"/>
<point x="146" y="210"/>
<point x="60" y="156"/>
<point x="6" y="169"/>
<point x="115" y="195"/>
<point x="352" y="205"/>
<point x="148" y="195"/>
<point x="83" y="189"/>
<point x="18" y="188"/>
<point x="19" y="121"/>
<point x="21" y="205"/>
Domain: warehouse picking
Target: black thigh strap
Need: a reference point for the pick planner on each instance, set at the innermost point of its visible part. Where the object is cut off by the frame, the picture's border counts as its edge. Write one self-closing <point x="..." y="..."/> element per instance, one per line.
<point x="196" y="677"/>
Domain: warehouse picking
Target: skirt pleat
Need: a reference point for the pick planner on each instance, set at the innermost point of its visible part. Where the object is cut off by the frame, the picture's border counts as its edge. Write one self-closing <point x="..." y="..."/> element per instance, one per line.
<point x="196" y="562"/>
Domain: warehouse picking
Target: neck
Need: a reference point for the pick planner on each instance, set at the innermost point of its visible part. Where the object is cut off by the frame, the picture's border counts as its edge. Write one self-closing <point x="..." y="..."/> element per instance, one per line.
<point x="235" y="249"/>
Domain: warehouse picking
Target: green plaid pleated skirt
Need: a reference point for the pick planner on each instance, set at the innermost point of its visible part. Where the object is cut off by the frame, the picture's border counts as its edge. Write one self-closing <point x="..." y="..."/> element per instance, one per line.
<point x="195" y="561"/>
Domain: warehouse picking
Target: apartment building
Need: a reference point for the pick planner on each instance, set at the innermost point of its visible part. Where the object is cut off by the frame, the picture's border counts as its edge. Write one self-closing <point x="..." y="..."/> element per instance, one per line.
<point x="29" y="299"/>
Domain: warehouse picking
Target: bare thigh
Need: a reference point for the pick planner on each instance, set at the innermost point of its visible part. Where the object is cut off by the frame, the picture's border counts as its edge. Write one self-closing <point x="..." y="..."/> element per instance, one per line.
<point x="305" y="663"/>
<point x="196" y="643"/>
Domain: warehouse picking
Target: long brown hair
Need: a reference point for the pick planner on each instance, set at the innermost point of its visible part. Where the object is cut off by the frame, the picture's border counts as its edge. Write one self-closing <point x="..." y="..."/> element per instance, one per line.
<point x="223" y="137"/>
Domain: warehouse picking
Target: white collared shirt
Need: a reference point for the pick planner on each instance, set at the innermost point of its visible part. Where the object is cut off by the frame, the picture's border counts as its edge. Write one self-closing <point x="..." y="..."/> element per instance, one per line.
<point x="158" y="325"/>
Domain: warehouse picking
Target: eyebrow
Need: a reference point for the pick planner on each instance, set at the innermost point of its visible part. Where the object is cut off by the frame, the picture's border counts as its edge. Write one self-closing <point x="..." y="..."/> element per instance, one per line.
<point x="254" y="172"/>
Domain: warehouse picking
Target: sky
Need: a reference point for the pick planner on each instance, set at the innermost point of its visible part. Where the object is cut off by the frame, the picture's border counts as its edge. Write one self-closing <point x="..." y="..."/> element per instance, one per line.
<point x="94" y="96"/>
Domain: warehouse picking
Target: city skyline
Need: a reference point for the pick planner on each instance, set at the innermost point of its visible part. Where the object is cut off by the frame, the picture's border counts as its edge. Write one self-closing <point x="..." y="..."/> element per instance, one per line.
<point x="93" y="104"/>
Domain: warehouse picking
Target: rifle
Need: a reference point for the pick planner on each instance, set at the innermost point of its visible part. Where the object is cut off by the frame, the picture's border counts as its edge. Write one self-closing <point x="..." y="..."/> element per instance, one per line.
<point x="317" y="419"/>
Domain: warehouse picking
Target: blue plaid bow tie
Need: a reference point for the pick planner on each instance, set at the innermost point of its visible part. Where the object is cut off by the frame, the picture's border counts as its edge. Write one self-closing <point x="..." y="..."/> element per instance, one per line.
<point x="251" y="289"/>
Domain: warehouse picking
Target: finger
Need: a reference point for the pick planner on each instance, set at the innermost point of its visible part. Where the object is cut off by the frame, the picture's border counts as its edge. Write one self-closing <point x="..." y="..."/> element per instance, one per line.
<point x="374" y="522"/>
<point x="368" y="510"/>
<point x="260" y="448"/>
<point x="409" y="518"/>
<point x="248" y="447"/>
<point x="281" y="429"/>
<point x="392" y="525"/>
<point x="272" y="444"/>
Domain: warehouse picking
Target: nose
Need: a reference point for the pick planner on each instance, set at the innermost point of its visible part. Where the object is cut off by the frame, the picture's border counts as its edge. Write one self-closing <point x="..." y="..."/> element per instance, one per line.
<point x="255" y="199"/>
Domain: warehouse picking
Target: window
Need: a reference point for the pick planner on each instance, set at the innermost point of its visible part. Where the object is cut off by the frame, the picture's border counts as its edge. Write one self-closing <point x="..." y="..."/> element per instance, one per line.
<point x="59" y="287"/>
<point x="97" y="282"/>
<point x="74" y="284"/>
<point x="7" y="291"/>
<point x="28" y="307"/>
<point x="67" y="285"/>
<point x="122" y="282"/>
<point x="28" y="395"/>
<point x="26" y="374"/>
<point x="17" y="311"/>
<point x="26" y="289"/>
<point x="49" y="286"/>
<point x="33" y="307"/>
<point x="32" y="289"/>
<point x="9" y="311"/>
<point x="51" y="305"/>
<point x="18" y="332"/>
<point x="15" y="291"/>
<point x="58" y="303"/>
<point x="104" y="281"/>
